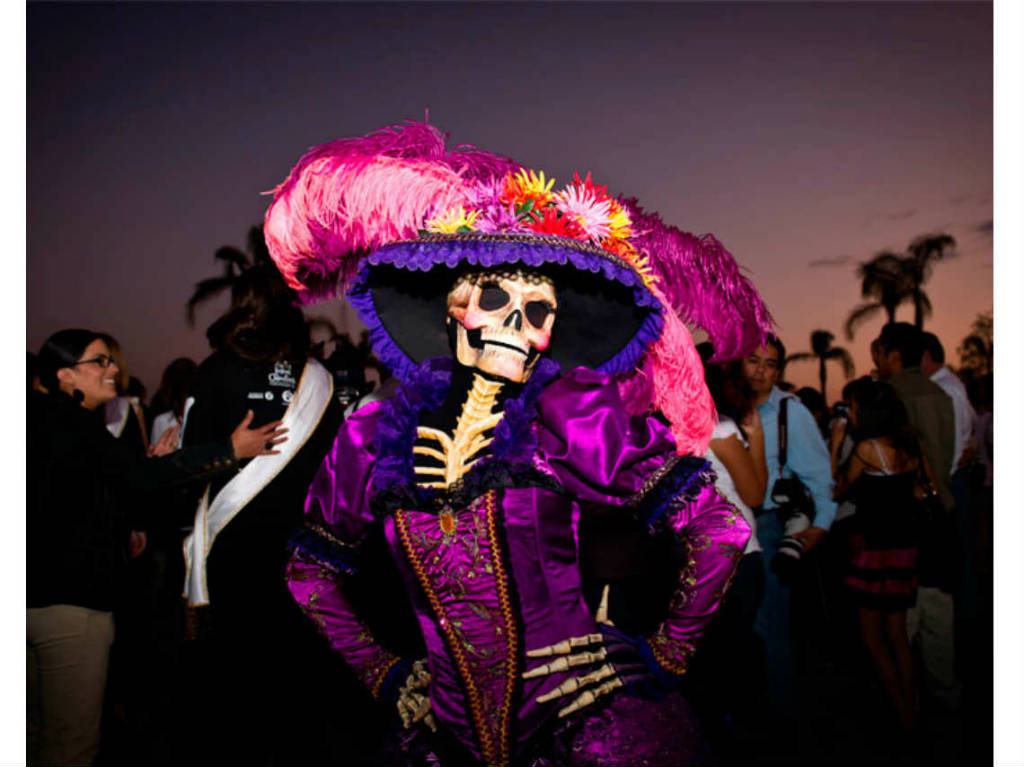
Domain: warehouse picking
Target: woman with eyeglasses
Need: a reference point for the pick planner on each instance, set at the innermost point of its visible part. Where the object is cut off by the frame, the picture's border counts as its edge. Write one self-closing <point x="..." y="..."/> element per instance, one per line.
<point x="75" y="541"/>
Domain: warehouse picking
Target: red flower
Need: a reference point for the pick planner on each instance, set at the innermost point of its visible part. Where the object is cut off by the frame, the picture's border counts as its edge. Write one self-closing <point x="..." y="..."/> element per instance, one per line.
<point x="554" y="223"/>
<point x="600" y="192"/>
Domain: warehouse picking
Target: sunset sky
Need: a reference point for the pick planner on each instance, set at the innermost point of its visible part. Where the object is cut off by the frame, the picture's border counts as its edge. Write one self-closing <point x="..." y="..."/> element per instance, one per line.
<point x="805" y="136"/>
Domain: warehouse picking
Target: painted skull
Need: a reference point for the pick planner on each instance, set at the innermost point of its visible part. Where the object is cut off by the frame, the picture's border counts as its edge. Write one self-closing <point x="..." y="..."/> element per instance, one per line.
<point x="503" y="320"/>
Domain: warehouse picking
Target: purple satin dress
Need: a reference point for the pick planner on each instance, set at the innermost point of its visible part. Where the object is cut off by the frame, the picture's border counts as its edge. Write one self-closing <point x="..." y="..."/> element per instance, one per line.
<point x="498" y="575"/>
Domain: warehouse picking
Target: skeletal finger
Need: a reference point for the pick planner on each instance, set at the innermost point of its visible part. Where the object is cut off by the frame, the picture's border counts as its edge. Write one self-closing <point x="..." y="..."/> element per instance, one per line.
<point x="430" y="721"/>
<point x="589" y="696"/>
<point x="403" y="712"/>
<point x="602" y="609"/>
<point x="422" y="708"/>
<point x="565" y="646"/>
<point x="566" y="662"/>
<point x="575" y="683"/>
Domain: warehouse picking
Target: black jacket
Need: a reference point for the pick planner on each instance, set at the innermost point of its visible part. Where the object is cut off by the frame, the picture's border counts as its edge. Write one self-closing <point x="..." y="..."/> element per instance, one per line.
<point x="75" y="469"/>
<point x="245" y="569"/>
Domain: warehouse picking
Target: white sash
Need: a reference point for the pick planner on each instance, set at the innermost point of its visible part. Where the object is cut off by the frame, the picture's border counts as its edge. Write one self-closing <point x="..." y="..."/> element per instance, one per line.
<point x="115" y="414"/>
<point x="301" y="418"/>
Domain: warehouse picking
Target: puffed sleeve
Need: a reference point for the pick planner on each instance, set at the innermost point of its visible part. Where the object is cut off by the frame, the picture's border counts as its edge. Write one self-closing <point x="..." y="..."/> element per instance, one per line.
<point x="601" y="454"/>
<point x="587" y="439"/>
<point x="326" y="549"/>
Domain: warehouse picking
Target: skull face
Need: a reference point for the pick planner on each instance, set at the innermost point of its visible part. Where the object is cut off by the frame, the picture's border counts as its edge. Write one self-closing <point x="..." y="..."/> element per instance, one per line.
<point x="503" y="320"/>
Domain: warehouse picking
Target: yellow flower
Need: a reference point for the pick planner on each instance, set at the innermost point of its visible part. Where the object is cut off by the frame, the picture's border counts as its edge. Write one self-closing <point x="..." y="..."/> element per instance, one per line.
<point x="453" y="221"/>
<point x="527" y="185"/>
<point x="620" y="226"/>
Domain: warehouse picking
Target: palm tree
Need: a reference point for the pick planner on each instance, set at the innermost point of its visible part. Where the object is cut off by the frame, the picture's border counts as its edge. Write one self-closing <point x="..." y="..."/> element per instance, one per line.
<point x="235" y="263"/>
<point x="883" y="279"/>
<point x="922" y="254"/>
<point x="976" y="350"/>
<point x="891" y="279"/>
<point x="823" y="350"/>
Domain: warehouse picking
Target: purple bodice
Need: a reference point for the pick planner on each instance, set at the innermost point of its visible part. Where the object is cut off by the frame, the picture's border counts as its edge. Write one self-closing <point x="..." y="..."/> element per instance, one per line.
<point x="498" y="575"/>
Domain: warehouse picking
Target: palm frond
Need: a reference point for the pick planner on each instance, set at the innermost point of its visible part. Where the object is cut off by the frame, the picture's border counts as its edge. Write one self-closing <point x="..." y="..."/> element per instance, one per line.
<point x="204" y="290"/>
<point x="843" y="357"/>
<point x="799" y="357"/>
<point x="257" y="246"/>
<point x="860" y="315"/>
<point x="232" y="257"/>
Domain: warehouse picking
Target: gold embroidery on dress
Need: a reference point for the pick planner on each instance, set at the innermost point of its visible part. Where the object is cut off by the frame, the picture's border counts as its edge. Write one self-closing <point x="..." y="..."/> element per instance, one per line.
<point x="471" y="436"/>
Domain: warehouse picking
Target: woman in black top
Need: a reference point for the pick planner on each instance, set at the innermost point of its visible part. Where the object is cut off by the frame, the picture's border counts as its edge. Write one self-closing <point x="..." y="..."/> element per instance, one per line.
<point x="75" y="540"/>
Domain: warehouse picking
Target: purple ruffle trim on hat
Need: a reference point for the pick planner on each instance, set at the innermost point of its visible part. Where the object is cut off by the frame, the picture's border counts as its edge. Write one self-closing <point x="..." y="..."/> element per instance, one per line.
<point x="514" y="439"/>
<point x="537" y="251"/>
<point x="399" y="363"/>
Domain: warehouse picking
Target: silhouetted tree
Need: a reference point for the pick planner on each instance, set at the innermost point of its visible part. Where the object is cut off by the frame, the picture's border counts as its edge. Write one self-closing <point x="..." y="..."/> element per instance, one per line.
<point x="884" y="280"/>
<point x="823" y="350"/>
<point x="976" y="350"/>
<point x="923" y="252"/>
<point x="235" y="263"/>
<point x="891" y="279"/>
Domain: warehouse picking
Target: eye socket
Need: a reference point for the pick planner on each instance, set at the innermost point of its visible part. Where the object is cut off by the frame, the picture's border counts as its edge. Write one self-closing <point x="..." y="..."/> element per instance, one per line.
<point x="537" y="312"/>
<point x="492" y="297"/>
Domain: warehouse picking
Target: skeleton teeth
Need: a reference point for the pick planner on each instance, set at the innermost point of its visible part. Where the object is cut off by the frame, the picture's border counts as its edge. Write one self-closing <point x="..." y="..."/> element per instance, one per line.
<point x="504" y="346"/>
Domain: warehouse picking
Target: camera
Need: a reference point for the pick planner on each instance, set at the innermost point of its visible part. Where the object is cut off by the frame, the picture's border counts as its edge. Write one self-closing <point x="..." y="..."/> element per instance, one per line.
<point x="795" y="511"/>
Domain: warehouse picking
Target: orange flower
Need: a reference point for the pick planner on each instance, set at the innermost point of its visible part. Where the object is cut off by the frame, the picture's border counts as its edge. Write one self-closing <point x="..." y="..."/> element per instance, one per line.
<point x="527" y="185"/>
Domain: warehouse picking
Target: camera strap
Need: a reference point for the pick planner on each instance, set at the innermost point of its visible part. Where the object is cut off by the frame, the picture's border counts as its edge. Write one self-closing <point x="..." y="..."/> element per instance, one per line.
<point x="783" y="433"/>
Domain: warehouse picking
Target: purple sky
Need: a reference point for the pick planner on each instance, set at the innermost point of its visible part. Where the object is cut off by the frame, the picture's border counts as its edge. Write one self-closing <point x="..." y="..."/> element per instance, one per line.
<point x="805" y="136"/>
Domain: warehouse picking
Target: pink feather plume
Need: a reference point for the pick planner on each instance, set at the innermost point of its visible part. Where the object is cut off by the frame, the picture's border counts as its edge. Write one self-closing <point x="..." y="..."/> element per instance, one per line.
<point x="671" y="380"/>
<point x="703" y="283"/>
<point x="351" y="196"/>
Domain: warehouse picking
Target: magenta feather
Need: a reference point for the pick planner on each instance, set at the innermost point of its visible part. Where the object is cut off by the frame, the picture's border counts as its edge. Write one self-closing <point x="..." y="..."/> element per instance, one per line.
<point x="350" y="196"/>
<point x="671" y="380"/>
<point x="703" y="283"/>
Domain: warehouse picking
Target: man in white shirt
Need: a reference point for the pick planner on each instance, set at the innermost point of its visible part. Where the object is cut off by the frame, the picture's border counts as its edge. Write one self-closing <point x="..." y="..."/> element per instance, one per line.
<point x="933" y="365"/>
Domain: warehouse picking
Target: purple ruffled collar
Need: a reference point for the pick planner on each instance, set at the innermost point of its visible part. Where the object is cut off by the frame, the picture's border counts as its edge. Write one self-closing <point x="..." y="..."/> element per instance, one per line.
<point x="514" y="443"/>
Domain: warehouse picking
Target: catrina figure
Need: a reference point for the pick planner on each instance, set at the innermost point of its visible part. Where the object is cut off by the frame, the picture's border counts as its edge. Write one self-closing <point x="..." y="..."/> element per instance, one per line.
<point x="547" y="374"/>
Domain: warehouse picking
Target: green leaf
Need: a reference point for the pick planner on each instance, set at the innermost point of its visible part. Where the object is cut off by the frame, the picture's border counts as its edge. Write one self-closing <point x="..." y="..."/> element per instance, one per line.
<point x="524" y="208"/>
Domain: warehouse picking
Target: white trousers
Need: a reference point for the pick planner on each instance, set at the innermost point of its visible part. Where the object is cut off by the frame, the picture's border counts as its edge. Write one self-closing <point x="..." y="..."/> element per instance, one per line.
<point x="930" y="624"/>
<point x="67" y="652"/>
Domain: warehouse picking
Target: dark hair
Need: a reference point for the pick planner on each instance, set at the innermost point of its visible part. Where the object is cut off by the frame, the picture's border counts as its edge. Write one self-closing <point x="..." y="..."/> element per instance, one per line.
<point x="135" y="388"/>
<point x="775" y="341"/>
<point x="813" y="399"/>
<point x="175" y="387"/>
<point x="979" y="392"/>
<point x="850" y="389"/>
<point x="62" y="350"/>
<point x="263" y="322"/>
<point x="931" y="344"/>
<point x="729" y="389"/>
<point x="881" y="413"/>
<point x="904" y="338"/>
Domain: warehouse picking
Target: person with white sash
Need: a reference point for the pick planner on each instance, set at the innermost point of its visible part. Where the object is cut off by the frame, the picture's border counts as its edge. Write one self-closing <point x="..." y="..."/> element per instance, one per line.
<point x="237" y="603"/>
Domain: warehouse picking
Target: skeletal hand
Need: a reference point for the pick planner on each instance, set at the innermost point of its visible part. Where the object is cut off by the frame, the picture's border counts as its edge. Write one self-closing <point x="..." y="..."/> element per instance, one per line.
<point x="600" y="646"/>
<point x="413" y="702"/>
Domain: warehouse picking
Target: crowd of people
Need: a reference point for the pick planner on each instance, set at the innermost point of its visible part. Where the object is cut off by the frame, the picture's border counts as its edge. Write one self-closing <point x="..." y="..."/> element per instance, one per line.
<point x="360" y="586"/>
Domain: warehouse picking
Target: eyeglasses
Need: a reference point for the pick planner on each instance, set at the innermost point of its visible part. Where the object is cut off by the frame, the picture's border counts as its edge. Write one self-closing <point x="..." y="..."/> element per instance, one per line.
<point x="103" y="360"/>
